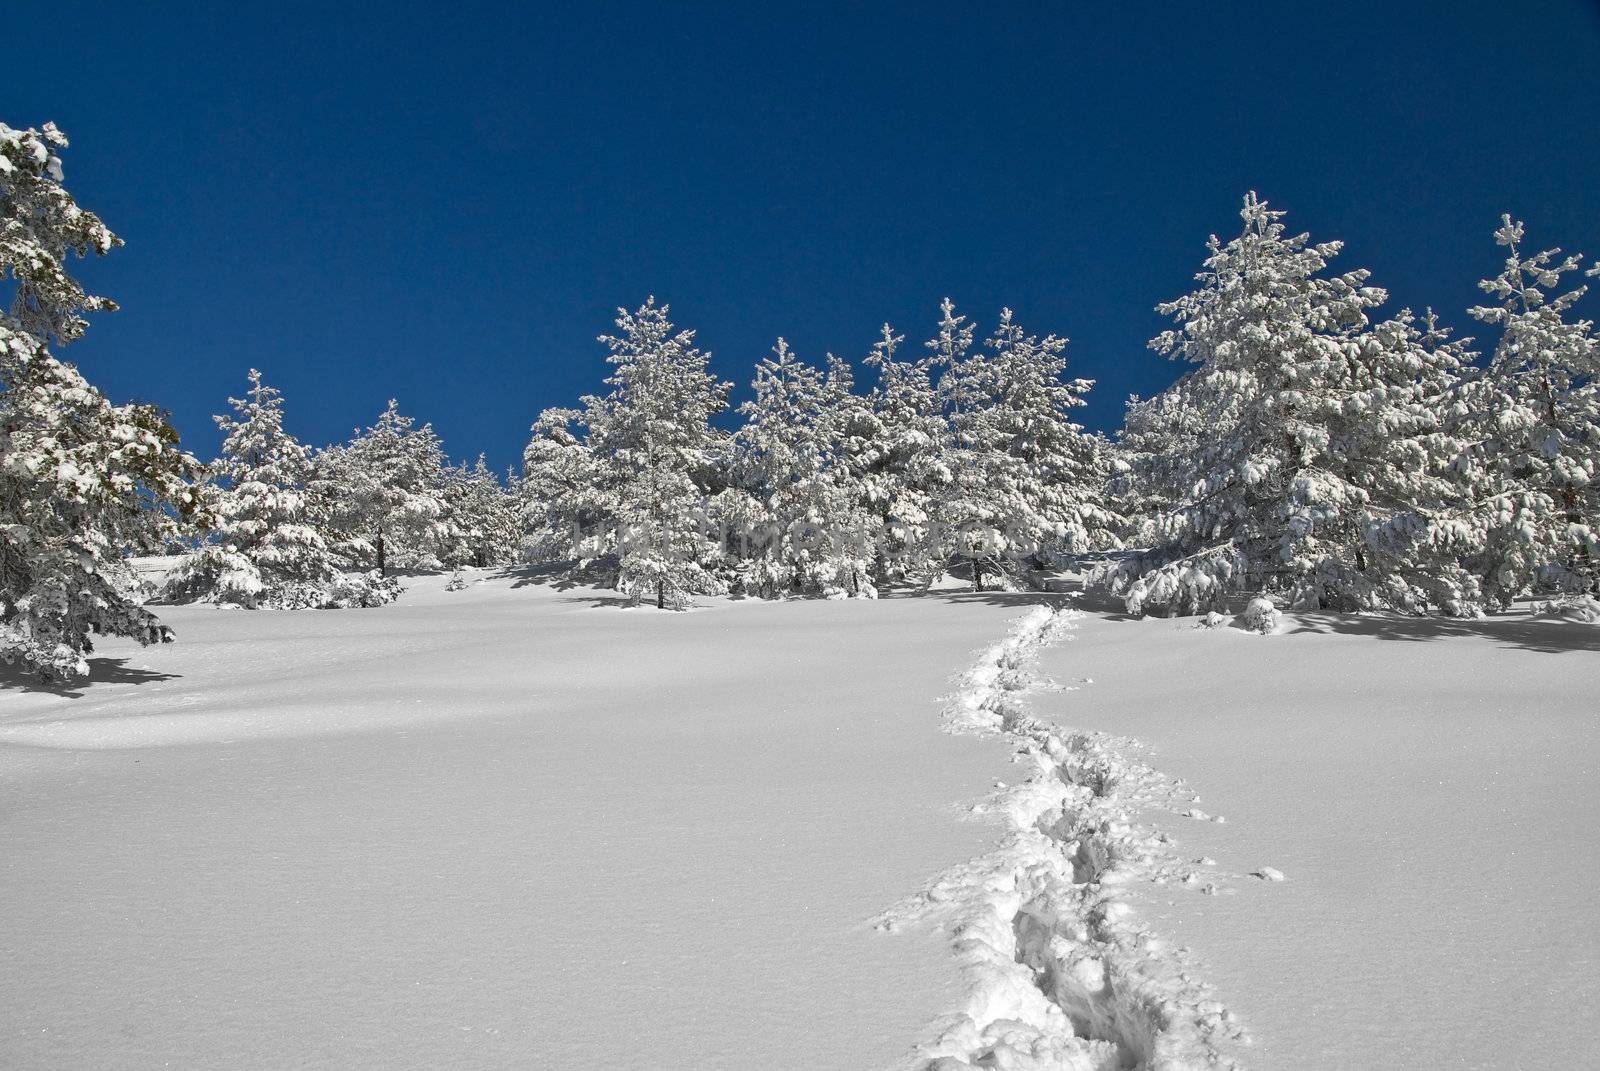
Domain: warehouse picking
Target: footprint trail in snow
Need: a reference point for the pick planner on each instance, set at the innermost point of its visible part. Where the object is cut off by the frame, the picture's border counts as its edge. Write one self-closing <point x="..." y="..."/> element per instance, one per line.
<point x="1058" y="971"/>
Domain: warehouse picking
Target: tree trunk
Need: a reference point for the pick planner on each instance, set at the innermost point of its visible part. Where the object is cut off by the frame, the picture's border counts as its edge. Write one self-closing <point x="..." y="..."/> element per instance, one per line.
<point x="661" y="594"/>
<point x="977" y="573"/>
<point x="381" y="558"/>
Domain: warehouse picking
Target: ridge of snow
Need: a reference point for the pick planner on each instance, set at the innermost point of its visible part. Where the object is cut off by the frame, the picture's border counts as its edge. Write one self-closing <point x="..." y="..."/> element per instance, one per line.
<point x="1057" y="970"/>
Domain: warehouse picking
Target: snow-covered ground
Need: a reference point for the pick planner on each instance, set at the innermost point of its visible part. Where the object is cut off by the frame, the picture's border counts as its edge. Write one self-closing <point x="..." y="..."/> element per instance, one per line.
<point x="501" y="827"/>
<point x="517" y="826"/>
<point x="1428" y="792"/>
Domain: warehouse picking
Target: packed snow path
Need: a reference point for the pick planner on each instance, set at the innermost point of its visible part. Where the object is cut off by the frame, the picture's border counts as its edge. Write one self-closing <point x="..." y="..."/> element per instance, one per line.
<point x="1060" y="974"/>
<point x="501" y="827"/>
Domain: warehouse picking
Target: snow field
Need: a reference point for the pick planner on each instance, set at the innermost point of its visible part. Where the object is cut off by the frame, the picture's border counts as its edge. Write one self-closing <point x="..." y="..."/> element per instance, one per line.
<point x="515" y="826"/>
<point x="507" y="826"/>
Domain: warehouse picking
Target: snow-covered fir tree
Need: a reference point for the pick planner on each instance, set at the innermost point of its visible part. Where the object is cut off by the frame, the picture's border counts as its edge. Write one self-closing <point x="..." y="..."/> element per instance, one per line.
<point x="892" y="462"/>
<point x="1024" y="481"/>
<point x="1534" y="425"/>
<point x="1061" y="471"/>
<point x="845" y="425"/>
<point x="383" y="493"/>
<point x="776" y="467"/>
<point x="954" y="471"/>
<point x="1154" y="453"/>
<point x="82" y="481"/>
<point x="266" y="549"/>
<point x="563" y="500"/>
<point x="989" y="462"/>
<point x="794" y="525"/>
<point x="482" y="525"/>
<point x="1135" y="485"/>
<point x="1376" y="445"/>
<point x="1275" y="451"/>
<point x="651" y="439"/>
<point x="1391" y="453"/>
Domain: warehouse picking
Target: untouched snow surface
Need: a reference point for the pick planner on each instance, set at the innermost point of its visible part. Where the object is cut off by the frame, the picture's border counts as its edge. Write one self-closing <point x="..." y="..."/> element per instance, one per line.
<point x="499" y="827"/>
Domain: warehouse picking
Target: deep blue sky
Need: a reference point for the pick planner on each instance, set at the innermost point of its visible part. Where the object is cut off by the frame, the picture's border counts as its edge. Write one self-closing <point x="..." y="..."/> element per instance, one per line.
<point x="445" y="203"/>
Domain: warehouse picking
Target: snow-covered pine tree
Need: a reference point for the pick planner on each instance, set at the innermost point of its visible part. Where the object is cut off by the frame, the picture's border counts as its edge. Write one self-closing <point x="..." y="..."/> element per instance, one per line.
<point x="267" y="551"/>
<point x="862" y="482"/>
<point x="890" y="457"/>
<point x="1158" y="441"/>
<point x="776" y="463"/>
<point x="1394" y="439"/>
<point x="845" y="423"/>
<point x="482" y="526"/>
<point x="383" y="493"/>
<point x="1394" y="447"/>
<point x="566" y="505"/>
<point x="795" y="525"/>
<point x="1534" y="460"/>
<point x="1136" y="486"/>
<point x="1049" y="478"/>
<point x="962" y="508"/>
<point x="1012" y="480"/>
<point x="651" y="435"/>
<point x="81" y="480"/>
<point x="1260" y="496"/>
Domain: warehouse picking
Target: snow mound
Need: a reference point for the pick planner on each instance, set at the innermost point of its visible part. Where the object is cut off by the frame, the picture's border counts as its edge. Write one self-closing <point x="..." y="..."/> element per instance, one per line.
<point x="1058" y="971"/>
<point x="1261" y="615"/>
<point x="1584" y="609"/>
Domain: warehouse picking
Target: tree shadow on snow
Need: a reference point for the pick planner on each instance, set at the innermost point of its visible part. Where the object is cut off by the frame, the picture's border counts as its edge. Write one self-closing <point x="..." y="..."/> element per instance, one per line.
<point x="101" y="671"/>
<point x="557" y="576"/>
<point x="1100" y="602"/>
<point x="1073" y="593"/>
<point x="604" y="597"/>
<point x="1515" y="630"/>
<point x="1019" y="599"/>
<point x="1518" y="630"/>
